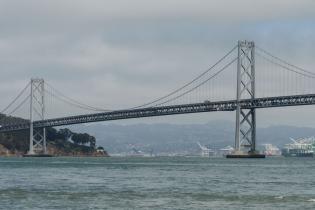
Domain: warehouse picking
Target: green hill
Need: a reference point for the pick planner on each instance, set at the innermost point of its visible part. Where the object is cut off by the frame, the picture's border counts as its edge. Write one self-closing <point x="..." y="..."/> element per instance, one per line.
<point x="62" y="142"/>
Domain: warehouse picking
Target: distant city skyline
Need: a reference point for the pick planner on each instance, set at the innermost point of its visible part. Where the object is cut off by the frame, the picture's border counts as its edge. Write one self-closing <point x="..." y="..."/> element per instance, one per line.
<point x="116" y="54"/>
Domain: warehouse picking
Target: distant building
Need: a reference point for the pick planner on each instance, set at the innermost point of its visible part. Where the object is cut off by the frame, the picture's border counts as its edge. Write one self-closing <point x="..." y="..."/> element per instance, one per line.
<point x="205" y="151"/>
<point x="226" y="150"/>
<point x="303" y="147"/>
<point x="271" y="150"/>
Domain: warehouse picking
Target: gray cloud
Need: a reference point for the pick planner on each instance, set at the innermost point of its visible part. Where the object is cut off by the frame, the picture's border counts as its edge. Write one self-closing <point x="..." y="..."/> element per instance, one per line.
<point x="119" y="54"/>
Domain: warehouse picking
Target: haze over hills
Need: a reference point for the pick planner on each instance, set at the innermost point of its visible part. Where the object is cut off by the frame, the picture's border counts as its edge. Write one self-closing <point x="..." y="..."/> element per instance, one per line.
<point x="182" y="138"/>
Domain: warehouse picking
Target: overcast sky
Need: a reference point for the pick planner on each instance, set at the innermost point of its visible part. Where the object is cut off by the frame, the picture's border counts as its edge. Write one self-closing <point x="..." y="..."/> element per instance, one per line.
<point x="123" y="53"/>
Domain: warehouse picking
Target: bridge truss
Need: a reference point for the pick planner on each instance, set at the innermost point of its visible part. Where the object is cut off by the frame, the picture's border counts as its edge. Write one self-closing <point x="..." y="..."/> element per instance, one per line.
<point x="257" y="103"/>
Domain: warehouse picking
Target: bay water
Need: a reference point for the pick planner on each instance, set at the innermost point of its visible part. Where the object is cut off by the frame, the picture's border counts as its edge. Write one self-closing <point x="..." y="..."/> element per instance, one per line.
<point x="157" y="183"/>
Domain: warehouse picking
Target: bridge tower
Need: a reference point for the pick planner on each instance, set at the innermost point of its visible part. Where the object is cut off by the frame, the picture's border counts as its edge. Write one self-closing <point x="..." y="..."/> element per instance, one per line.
<point x="245" y="132"/>
<point x="37" y="109"/>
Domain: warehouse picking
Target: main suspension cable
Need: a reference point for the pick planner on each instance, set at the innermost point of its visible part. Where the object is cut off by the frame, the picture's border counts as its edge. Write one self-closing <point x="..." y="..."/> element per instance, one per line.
<point x="285" y="62"/>
<point x="285" y="67"/>
<point x="189" y="83"/>
<point x="75" y="102"/>
<point x="16" y="98"/>
<point x="213" y="76"/>
<point x="19" y="106"/>
<point x="70" y="103"/>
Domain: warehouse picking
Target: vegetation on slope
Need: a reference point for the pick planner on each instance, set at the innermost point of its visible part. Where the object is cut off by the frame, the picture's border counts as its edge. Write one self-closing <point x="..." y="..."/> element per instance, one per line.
<point x="60" y="142"/>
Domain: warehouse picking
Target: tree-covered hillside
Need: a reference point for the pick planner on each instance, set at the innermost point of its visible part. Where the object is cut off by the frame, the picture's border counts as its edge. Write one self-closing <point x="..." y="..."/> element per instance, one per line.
<point x="62" y="141"/>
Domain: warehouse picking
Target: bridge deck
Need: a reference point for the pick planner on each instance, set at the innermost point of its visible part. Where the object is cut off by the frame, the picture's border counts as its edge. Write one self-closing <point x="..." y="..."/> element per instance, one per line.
<point x="268" y="102"/>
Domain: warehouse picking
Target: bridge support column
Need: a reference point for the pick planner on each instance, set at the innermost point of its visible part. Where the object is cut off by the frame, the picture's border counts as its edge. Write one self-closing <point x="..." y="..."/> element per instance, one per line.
<point x="37" y="108"/>
<point x="245" y="131"/>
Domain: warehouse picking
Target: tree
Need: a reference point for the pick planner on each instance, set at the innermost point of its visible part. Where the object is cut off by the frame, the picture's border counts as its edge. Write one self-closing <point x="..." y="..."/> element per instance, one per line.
<point x="100" y="148"/>
<point x="65" y="134"/>
<point x="83" y="138"/>
<point x="92" y="141"/>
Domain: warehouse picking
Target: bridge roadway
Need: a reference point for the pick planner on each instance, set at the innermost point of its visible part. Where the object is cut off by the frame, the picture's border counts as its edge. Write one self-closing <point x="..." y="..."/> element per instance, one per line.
<point x="267" y="102"/>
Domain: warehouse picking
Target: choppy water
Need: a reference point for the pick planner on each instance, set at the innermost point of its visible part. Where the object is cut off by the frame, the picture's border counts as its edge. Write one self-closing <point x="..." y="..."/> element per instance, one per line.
<point x="157" y="183"/>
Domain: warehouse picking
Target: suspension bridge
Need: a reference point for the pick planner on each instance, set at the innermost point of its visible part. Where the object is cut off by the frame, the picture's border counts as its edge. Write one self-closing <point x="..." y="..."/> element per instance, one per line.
<point x="246" y="78"/>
